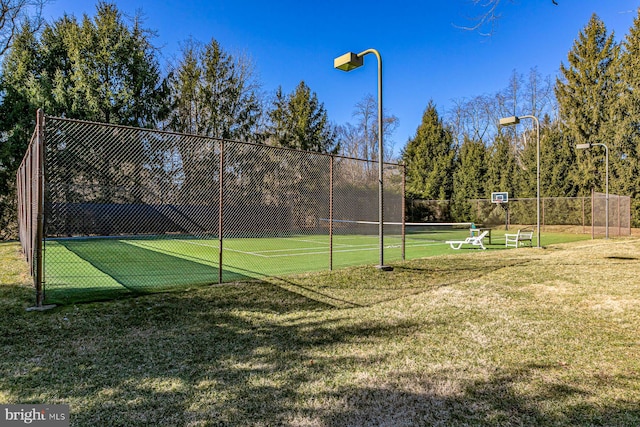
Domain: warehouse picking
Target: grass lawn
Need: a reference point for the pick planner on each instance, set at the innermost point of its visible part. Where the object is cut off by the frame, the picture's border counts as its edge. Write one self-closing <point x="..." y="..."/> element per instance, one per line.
<point x="544" y="337"/>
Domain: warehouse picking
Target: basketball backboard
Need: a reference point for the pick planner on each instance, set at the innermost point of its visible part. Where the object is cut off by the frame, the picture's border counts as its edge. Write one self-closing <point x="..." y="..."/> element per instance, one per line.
<point x="499" y="197"/>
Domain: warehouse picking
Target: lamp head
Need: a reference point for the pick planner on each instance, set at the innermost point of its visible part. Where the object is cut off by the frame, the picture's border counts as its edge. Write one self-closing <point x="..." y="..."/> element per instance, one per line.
<point x="348" y="61"/>
<point x="582" y="146"/>
<point x="509" y="121"/>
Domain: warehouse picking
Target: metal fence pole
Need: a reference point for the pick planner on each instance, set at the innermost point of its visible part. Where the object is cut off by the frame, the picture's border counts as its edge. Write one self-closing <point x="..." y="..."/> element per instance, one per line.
<point x="38" y="276"/>
<point x="331" y="212"/>
<point x="220" y="210"/>
<point x="583" y="214"/>
<point x="629" y="214"/>
<point x="619" y="225"/>
<point x="404" y="235"/>
<point x="593" y="211"/>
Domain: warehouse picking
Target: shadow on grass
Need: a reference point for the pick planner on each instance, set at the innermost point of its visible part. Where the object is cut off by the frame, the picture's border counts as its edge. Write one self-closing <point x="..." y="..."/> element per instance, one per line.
<point x="114" y="269"/>
<point x="444" y="398"/>
<point x="368" y="286"/>
<point x="255" y="354"/>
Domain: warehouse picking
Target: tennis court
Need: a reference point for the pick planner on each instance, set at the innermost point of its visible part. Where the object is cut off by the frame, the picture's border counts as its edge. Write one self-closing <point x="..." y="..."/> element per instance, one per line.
<point x="93" y="267"/>
<point x="119" y="210"/>
<point x="86" y="269"/>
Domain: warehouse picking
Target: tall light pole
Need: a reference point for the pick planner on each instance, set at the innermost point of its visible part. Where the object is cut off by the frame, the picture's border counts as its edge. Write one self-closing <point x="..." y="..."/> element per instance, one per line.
<point x="514" y="120"/>
<point x="347" y="62"/>
<point x="606" y="155"/>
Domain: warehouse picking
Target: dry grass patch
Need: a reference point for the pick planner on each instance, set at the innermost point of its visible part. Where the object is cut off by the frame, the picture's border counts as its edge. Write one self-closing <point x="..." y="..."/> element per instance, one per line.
<point x="519" y="337"/>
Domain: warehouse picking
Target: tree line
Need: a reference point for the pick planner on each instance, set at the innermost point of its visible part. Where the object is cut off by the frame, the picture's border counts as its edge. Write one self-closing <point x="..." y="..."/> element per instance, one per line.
<point x="595" y="99"/>
<point x="105" y="68"/>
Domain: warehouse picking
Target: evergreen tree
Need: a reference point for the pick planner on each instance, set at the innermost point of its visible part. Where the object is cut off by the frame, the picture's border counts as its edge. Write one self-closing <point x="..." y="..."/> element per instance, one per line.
<point x="586" y="93"/>
<point x="501" y="167"/>
<point x="300" y="121"/>
<point x="213" y="94"/>
<point x="17" y="119"/>
<point x="114" y="69"/>
<point x="469" y="180"/>
<point x="557" y="160"/>
<point x="17" y="109"/>
<point x="429" y="158"/>
<point x="626" y="157"/>
<point x="103" y="69"/>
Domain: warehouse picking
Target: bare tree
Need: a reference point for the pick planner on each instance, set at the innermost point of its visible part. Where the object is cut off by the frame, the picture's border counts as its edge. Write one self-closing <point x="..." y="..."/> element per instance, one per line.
<point x="474" y="119"/>
<point x="485" y="21"/>
<point x="13" y="14"/>
<point x="361" y="140"/>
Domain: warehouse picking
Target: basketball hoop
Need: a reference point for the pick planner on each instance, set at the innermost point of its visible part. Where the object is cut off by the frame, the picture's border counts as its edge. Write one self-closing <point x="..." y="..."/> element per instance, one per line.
<point x="499" y="197"/>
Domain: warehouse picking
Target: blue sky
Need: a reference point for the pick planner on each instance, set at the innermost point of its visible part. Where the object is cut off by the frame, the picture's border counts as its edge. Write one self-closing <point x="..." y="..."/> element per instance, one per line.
<point x="425" y="55"/>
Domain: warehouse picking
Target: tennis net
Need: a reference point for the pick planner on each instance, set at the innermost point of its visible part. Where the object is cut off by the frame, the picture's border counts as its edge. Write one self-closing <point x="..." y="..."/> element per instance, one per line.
<point x="414" y="233"/>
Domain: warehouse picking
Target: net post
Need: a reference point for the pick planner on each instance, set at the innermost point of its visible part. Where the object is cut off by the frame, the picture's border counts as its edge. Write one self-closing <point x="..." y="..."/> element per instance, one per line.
<point x="220" y="209"/>
<point x="37" y="251"/>
<point x="331" y="212"/>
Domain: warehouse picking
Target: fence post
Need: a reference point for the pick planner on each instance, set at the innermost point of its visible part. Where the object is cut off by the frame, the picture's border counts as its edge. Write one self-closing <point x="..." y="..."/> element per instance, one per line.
<point x="582" y="214"/>
<point x="38" y="276"/>
<point x="404" y="174"/>
<point x="220" y="210"/>
<point x="593" y="232"/>
<point x="629" y="214"/>
<point x="331" y="212"/>
<point x="619" y="226"/>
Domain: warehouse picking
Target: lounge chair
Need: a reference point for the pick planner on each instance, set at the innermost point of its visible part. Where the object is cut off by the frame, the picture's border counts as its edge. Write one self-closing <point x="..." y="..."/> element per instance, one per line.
<point x="474" y="241"/>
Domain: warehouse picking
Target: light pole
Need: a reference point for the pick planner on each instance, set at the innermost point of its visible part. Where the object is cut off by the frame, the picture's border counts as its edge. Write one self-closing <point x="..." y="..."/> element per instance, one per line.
<point x="606" y="156"/>
<point x="514" y="120"/>
<point x="347" y="62"/>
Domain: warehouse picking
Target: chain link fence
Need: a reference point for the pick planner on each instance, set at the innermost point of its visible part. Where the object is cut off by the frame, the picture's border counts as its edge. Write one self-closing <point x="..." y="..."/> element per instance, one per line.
<point x="618" y="211"/>
<point x="588" y="214"/>
<point x="136" y="210"/>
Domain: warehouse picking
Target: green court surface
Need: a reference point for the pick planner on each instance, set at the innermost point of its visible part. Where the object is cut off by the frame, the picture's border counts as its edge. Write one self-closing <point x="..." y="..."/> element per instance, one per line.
<point x="86" y="269"/>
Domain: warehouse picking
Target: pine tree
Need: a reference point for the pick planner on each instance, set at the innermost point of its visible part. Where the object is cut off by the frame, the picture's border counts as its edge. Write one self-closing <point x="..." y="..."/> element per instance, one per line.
<point x="626" y="158"/>
<point x="300" y="121"/>
<point x="469" y="180"/>
<point x="586" y="93"/>
<point x="17" y="119"/>
<point x="102" y="69"/>
<point x="213" y="94"/>
<point x="429" y="158"/>
<point x="501" y="167"/>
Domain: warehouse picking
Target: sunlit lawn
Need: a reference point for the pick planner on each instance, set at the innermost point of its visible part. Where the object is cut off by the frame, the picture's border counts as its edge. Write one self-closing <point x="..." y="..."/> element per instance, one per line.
<point x="519" y="337"/>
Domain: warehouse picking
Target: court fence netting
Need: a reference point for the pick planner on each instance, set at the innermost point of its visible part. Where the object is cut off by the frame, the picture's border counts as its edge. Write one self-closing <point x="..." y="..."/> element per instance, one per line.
<point x="587" y="215"/>
<point x="106" y="210"/>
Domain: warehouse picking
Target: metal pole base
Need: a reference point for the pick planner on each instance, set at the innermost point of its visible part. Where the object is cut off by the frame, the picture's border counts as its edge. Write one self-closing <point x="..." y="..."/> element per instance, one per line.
<point x="384" y="267"/>
<point x="41" y="307"/>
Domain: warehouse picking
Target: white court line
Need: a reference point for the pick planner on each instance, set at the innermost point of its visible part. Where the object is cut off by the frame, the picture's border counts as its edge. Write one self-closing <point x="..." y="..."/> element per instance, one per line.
<point x="325" y="252"/>
<point x="191" y="242"/>
<point x="295" y="239"/>
<point x="326" y="247"/>
<point x="325" y="244"/>
<point x="356" y="248"/>
<point x="225" y="248"/>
